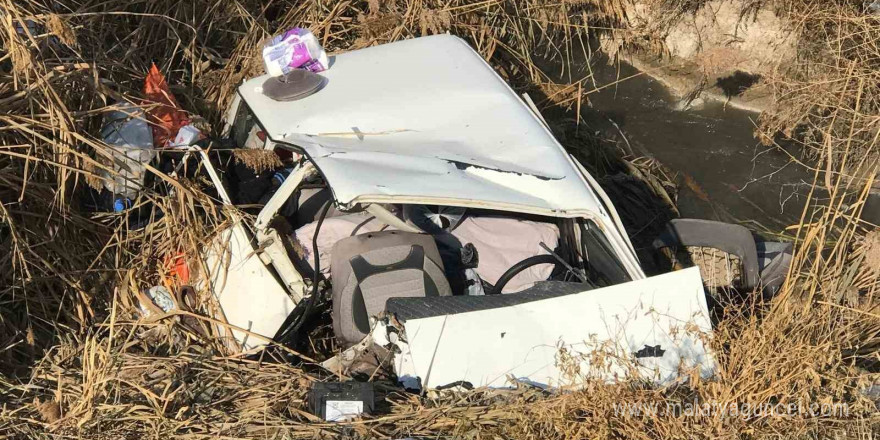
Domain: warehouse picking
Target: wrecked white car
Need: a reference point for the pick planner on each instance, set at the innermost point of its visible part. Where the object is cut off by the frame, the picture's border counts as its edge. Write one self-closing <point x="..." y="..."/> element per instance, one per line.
<point x="456" y="239"/>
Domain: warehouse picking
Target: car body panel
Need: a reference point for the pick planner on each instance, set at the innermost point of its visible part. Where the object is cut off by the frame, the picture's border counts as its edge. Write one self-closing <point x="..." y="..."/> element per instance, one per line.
<point x="247" y="290"/>
<point x="558" y="342"/>
<point x="250" y="296"/>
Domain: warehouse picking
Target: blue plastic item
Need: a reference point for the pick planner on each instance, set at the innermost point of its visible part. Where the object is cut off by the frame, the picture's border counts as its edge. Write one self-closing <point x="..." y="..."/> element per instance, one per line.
<point x="120" y="205"/>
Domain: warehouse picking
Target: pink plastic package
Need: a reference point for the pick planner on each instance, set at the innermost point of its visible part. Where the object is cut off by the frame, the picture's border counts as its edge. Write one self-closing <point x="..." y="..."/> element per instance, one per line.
<point x="296" y="48"/>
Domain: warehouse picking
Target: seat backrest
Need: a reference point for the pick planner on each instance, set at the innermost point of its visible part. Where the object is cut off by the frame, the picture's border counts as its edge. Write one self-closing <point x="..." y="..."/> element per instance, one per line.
<point x="368" y="269"/>
<point x="310" y="201"/>
<point x="733" y="239"/>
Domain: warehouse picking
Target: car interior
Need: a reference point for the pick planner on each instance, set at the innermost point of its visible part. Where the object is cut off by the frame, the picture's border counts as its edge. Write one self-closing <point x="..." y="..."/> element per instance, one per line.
<point x="430" y="252"/>
<point x="458" y="252"/>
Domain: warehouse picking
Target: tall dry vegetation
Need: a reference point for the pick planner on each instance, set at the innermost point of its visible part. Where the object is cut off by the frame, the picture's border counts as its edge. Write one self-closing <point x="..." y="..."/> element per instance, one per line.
<point x="75" y="360"/>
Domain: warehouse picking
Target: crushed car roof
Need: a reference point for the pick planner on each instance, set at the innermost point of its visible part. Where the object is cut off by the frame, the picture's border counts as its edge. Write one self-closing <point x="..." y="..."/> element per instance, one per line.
<point x="426" y="120"/>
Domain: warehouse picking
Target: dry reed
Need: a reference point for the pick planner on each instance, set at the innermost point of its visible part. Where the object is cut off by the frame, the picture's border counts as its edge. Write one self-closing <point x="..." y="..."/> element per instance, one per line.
<point x="77" y="361"/>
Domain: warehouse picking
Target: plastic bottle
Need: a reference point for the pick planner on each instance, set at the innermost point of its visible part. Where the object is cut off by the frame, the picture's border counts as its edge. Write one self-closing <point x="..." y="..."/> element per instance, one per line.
<point x="131" y="142"/>
<point x="297" y="48"/>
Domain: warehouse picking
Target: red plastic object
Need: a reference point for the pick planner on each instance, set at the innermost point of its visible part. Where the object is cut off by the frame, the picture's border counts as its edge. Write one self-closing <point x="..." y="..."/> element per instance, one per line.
<point x="178" y="268"/>
<point x="166" y="118"/>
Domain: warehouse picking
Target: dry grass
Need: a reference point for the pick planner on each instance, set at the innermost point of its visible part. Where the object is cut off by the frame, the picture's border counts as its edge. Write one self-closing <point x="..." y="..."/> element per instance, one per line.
<point x="257" y="160"/>
<point x="828" y="99"/>
<point x="76" y="361"/>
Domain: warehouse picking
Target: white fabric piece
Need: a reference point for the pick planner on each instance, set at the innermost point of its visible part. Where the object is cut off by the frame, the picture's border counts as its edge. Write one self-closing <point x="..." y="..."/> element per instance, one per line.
<point x="475" y="285"/>
<point x="501" y="242"/>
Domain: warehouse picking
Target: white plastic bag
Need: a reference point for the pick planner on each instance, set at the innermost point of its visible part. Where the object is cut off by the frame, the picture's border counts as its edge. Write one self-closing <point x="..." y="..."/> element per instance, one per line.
<point x="186" y="136"/>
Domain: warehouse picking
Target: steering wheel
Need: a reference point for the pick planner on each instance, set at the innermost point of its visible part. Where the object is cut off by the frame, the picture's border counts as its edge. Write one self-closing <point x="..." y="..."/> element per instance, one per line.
<point x="519" y="267"/>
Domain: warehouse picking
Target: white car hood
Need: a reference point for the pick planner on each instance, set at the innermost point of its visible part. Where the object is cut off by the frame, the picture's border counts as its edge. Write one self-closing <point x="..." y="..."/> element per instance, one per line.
<point x="426" y="119"/>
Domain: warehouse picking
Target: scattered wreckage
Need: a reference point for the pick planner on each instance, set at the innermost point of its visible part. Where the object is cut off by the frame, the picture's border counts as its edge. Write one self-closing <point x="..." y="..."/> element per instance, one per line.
<point x="457" y="240"/>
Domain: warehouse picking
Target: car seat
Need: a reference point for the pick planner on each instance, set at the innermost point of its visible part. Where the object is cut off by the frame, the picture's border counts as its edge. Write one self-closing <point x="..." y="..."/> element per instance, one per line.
<point x="368" y="269"/>
<point x="764" y="264"/>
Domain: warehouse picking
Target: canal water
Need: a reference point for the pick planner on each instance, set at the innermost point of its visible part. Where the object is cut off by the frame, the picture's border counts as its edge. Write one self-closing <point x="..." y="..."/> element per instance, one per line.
<point x="723" y="172"/>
